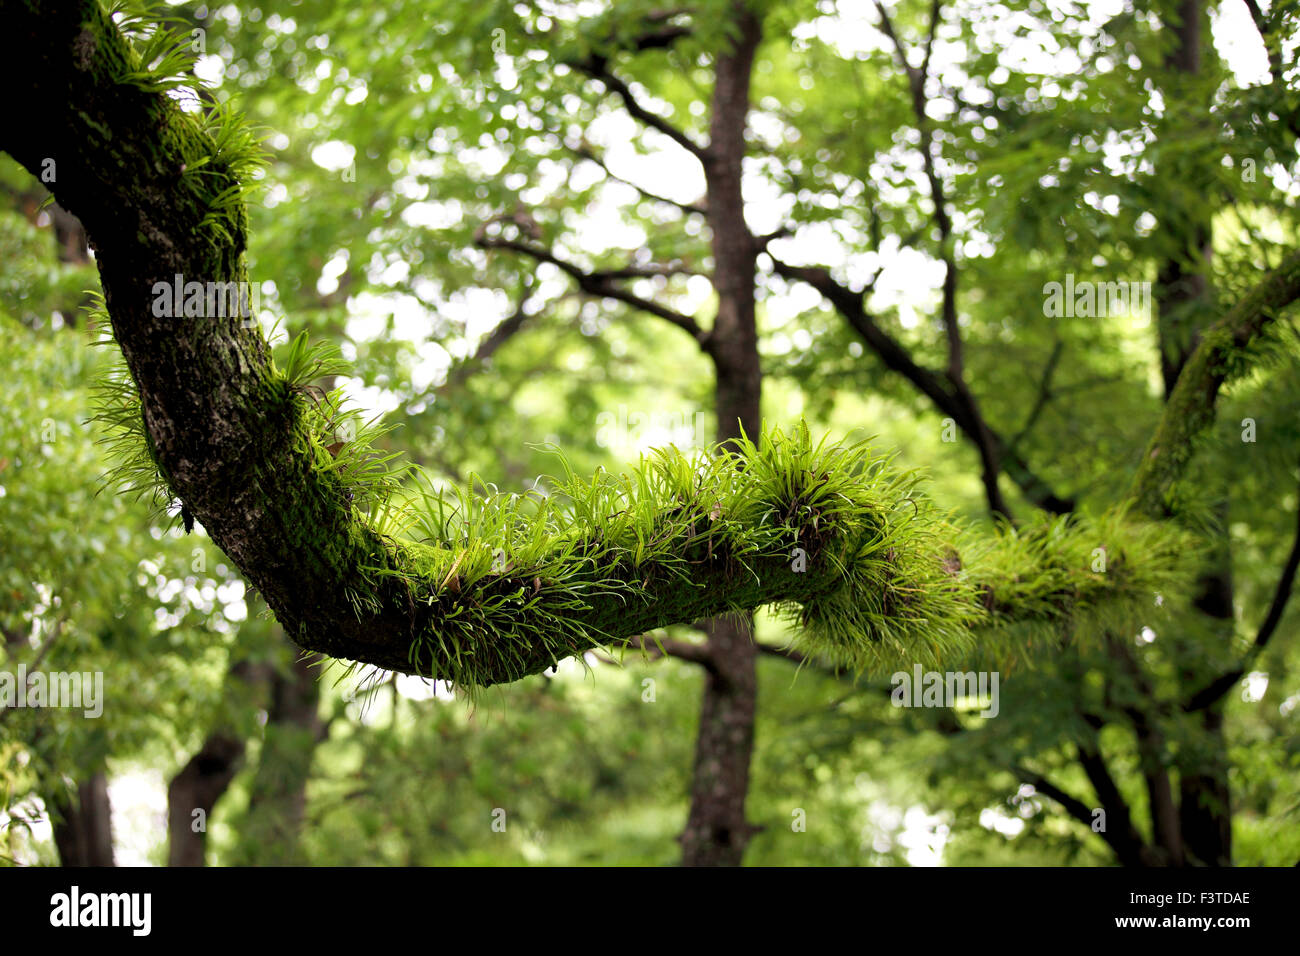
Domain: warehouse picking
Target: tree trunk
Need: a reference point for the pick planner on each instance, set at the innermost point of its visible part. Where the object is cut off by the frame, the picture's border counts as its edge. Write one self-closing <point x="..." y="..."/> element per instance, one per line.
<point x="83" y="825"/>
<point x="204" y="780"/>
<point x="278" y="801"/>
<point x="1183" y="298"/>
<point x="198" y="786"/>
<point x="716" y="829"/>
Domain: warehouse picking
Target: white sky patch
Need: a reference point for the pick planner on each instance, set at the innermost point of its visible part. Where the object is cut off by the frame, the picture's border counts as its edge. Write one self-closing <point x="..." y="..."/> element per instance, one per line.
<point x="417" y="688"/>
<point x="432" y="215"/>
<point x="210" y="69"/>
<point x="998" y="820"/>
<point x="371" y="399"/>
<point x="368" y="316"/>
<point x="924" y="837"/>
<point x="328" y="283"/>
<point x="334" y="155"/>
<point x="434" y="361"/>
<point x="1239" y="43"/>
<point x="1253" y="687"/>
<point x="139" y="801"/>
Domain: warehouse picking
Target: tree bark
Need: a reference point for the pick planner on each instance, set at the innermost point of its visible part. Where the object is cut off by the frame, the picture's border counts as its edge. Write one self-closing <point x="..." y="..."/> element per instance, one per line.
<point x="717" y="831"/>
<point x="83" y="824"/>
<point x="1203" y="817"/>
<point x="198" y="786"/>
<point x="278" y="799"/>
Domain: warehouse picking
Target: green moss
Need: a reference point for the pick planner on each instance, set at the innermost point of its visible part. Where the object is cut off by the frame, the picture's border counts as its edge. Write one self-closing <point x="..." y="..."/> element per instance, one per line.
<point x="480" y="588"/>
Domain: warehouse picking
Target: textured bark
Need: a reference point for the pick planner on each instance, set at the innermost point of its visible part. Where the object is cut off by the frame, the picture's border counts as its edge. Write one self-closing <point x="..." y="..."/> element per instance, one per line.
<point x="1198" y="827"/>
<point x="83" y="824"/>
<point x="278" y="800"/>
<point x="225" y="430"/>
<point x="198" y="786"/>
<point x="717" y="831"/>
<point x="1189" y="413"/>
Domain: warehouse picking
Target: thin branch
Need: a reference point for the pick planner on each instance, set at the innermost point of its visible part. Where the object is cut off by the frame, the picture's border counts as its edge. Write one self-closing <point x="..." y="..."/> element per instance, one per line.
<point x="929" y="40"/>
<point x="668" y="647"/>
<point x="586" y="153"/>
<point x="599" y="284"/>
<point x="1044" y="395"/>
<point x="989" y="449"/>
<point x="1120" y="832"/>
<point x="597" y="67"/>
<point x="36" y="661"/>
<point x="788" y="654"/>
<point x="1152" y="747"/>
<point x="1072" y="805"/>
<point x="503" y="332"/>
<point x="1268" y="34"/>
<point x="946" y="396"/>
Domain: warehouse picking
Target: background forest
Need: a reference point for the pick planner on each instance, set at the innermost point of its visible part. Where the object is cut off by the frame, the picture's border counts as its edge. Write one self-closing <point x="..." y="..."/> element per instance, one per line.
<point x="597" y="228"/>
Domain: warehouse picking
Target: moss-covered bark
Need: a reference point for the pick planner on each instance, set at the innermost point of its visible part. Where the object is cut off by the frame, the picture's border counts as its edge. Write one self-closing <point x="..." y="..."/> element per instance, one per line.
<point x="1223" y="353"/>
<point x="238" y="445"/>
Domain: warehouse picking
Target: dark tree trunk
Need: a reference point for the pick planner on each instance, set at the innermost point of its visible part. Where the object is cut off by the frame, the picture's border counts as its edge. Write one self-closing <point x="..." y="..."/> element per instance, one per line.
<point x="83" y="825"/>
<point x="198" y="786"/>
<point x="716" y="829"/>
<point x="1183" y="300"/>
<point x="204" y="780"/>
<point x="278" y="800"/>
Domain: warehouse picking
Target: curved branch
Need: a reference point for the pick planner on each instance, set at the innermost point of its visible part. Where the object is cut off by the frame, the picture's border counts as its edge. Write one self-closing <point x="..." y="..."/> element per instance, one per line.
<point x="601" y="284"/>
<point x="1213" y="692"/>
<point x="493" y="590"/>
<point x="597" y="67"/>
<point x="1220" y="355"/>
<point x="957" y="403"/>
<point x="584" y="151"/>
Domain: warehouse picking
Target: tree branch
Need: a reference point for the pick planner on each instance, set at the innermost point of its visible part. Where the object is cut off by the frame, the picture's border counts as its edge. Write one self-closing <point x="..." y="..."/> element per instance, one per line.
<point x="942" y="393"/>
<point x="1269" y="34"/>
<point x="669" y="647"/>
<point x="243" y="445"/>
<point x="1072" y="805"/>
<point x="504" y="331"/>
<point x="1044" y="395"/>
<point x="980" y="433"/>
<point x="587" y="153"/>
<point x="1190" y="410"/>
<point x="600" y="284"/>
<point x="597" y="67"/>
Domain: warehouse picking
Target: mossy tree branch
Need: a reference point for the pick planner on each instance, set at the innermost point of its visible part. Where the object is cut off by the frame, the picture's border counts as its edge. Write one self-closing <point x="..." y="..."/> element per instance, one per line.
<point x="483" y="591"/>
<point x="1224" y="352"/>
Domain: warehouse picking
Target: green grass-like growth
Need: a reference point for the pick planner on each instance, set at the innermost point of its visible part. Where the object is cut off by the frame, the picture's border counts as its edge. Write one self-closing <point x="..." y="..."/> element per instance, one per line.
<point x="498" y="586"/>
<point x="870" y="573"/>
<point x="844" y="546"/>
